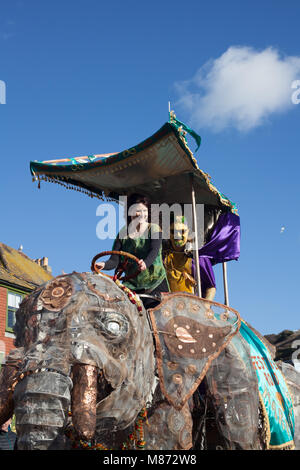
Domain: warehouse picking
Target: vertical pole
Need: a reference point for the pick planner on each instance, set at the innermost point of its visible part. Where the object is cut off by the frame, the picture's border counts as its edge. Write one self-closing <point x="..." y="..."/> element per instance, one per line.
<point x="196" y="255"/>
<point x="226" y="299"/>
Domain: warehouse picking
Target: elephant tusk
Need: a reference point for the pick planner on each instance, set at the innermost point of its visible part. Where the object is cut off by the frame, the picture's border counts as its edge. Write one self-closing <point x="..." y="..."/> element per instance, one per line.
<point x="84" y="400"/>
<point x="8" y="376"/>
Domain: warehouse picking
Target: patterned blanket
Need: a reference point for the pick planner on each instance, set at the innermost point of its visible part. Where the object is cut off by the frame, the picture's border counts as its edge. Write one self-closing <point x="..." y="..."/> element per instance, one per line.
<point x="274" y="393"/>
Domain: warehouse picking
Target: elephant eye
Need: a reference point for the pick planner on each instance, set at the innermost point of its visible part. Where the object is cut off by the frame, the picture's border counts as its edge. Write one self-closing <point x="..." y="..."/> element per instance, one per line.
<point x="113" y="324"/>
<point x="114" y="327"/>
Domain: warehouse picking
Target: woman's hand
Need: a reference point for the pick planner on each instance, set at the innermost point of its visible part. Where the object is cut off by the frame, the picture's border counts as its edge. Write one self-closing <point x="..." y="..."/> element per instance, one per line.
<point x="100" y="265"/>
<point x="142" y="265"/>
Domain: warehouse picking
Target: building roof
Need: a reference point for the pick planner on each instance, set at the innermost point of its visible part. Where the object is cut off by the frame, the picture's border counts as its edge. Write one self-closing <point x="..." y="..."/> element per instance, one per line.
<point x="19" y="270"/>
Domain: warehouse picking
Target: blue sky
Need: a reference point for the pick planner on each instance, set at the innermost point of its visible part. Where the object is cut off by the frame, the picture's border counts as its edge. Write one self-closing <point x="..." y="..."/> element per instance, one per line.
<point x="86" y="77"/>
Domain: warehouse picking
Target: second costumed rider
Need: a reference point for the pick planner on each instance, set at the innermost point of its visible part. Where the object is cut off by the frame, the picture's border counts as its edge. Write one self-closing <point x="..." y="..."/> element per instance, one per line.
<point x="143" y="240"/>
<point x="179" y="263"/>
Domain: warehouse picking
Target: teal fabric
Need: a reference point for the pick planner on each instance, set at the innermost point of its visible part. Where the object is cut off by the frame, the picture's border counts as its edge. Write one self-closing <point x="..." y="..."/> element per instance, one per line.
<point x="190" y="131"/>
<point x="273" y="390"/>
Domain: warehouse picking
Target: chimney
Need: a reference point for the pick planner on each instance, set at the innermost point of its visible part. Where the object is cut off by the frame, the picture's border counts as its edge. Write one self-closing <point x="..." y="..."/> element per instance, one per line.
<point x="44" y="264"/>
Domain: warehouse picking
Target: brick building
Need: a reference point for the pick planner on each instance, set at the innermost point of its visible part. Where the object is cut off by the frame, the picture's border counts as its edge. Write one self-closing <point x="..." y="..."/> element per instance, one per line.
<point x="19" y="275"/>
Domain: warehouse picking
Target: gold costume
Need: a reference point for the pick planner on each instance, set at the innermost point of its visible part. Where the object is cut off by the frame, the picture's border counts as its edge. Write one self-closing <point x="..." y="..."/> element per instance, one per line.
<point x="179" y="272"/>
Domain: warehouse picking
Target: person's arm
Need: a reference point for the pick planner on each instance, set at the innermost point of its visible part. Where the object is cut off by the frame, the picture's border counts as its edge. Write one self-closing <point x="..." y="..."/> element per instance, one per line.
<point x="113" y="261"/>
<point x="153" y="252"/>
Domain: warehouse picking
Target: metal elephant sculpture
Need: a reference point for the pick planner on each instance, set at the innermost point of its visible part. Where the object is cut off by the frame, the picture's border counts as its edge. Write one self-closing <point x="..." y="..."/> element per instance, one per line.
<point x="90" y="368"/>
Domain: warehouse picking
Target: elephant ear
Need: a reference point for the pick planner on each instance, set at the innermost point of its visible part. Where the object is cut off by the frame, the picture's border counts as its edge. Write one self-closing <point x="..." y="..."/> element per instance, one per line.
<point x="190" y="333"/>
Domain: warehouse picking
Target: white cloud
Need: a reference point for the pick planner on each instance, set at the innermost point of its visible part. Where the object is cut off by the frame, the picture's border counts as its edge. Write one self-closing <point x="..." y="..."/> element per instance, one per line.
<point x="241" y="89"/>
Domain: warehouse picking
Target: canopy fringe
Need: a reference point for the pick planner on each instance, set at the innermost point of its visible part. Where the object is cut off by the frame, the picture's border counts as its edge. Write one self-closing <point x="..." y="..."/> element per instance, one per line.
<point x="63" y="181"/>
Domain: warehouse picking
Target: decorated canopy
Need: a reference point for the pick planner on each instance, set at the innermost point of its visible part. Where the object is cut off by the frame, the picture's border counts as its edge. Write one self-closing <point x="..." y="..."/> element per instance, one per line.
<point x="161" y="167"/>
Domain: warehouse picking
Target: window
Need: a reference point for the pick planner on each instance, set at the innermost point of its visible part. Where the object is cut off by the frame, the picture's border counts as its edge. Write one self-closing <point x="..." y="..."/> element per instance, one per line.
<point x="2" y="353"/>
<point x="13" y="302"/>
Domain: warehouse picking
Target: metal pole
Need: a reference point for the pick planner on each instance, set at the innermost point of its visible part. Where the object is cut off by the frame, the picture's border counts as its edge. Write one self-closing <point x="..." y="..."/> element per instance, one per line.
<point x="226" y="301"/>
<point x="196" y="255"/>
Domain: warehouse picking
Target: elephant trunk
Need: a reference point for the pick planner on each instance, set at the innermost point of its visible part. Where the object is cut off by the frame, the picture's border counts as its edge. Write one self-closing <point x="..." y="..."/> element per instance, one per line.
<point x="42" y="401"/>
<point x="84" y="400"/>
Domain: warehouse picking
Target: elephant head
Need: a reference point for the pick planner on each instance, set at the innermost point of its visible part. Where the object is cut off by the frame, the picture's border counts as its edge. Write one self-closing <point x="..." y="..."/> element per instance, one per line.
<point x="82" y="346"/>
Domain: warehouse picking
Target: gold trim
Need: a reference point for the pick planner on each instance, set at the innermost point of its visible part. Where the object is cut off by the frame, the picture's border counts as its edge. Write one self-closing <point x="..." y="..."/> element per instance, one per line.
<point x="289" y="444"/>
<point x="266" y="422"/>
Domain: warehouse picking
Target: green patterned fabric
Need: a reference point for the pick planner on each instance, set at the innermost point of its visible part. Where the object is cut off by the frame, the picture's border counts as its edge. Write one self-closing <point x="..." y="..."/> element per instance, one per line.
<point x="140" y="247"/>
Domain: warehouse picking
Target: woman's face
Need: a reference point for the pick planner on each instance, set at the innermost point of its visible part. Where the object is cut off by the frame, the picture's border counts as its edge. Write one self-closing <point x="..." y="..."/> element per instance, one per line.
<point x="138" y="210"/>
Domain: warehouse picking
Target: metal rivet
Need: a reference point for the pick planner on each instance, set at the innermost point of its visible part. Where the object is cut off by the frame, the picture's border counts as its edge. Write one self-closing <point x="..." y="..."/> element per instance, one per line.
<point x="177" y="379"/>
<point x="191" y="369"/>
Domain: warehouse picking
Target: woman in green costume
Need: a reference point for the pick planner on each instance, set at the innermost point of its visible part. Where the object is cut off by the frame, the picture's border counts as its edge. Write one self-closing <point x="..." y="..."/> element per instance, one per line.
<point x="143" y="240"/>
